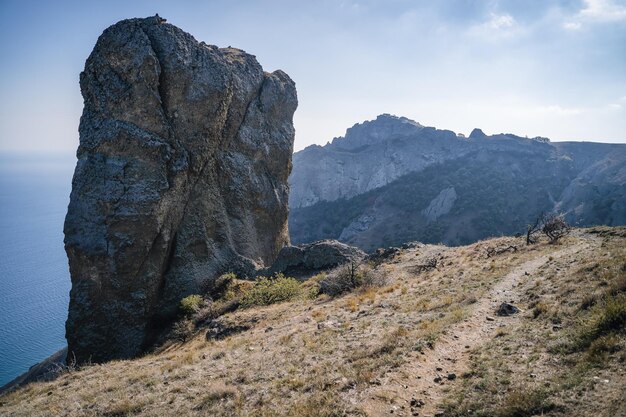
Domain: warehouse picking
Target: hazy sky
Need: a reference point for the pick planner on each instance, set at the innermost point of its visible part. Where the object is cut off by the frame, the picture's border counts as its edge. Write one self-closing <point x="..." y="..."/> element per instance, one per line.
<point x="534" y="67"/>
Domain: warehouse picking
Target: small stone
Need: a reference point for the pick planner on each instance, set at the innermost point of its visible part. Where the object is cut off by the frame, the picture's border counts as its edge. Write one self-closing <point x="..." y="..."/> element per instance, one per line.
<point x="437" y="379"/>
<point x="269" y="329"/>
<point x="507" y="309"/>
<point x="489" y="318"/>
<point x="451" y="376"/>
<point x="439" y="369"/>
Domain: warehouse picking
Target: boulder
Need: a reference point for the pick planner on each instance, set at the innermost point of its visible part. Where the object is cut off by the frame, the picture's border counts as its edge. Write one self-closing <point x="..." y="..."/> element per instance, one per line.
<point x="185" y="151"/>
<point x="306" y="260"/>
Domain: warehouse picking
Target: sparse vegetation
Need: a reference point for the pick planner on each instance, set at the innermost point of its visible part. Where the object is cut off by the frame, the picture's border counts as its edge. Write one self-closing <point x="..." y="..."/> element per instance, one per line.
<point x="350" y="277"/>
<point x="555" y="227"/>
<point x="272" y="290"/>
<point x="380" y="345"/>
<point x="190" y="304"/>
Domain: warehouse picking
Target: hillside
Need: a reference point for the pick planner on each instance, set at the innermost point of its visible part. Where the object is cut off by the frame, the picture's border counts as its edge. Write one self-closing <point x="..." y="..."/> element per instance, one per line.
<point x="392" y="180"/>
<point x="423" y="338"/>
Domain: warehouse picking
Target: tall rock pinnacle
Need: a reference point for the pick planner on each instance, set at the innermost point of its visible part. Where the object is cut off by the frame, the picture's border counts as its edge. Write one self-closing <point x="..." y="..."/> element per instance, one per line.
<point x="185" y="150"/>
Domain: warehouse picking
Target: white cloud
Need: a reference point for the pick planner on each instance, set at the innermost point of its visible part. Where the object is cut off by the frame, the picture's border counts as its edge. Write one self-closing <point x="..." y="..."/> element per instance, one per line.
<point x="603" y="10"/>
<point x="497" y="27"/>
<point x="572" y="25"/>
<point x="558" y="110"/>
<point x="498" y="22"/>
<point x="597" y="11"/>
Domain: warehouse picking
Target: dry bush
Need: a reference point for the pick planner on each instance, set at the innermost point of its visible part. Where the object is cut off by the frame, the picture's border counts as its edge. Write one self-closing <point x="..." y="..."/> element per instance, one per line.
<point x="183" y="330"/>
<point x="350" y="277"/>
<point x="555" y="227"/>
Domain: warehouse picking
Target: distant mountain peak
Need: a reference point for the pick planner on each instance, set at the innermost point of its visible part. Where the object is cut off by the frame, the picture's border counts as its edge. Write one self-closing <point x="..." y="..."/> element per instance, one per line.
<point x="477" y="134"/>
<point x="386" y="126"/>
<point x="392" y="118"/>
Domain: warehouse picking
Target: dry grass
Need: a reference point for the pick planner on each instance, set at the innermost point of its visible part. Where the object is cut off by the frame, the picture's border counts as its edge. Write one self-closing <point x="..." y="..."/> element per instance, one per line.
<point x="567" y="356"/>
<point x="329" y="356"/>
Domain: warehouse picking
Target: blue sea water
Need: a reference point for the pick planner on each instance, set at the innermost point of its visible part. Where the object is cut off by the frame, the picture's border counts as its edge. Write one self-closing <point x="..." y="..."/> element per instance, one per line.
<point x="34" y="274"/>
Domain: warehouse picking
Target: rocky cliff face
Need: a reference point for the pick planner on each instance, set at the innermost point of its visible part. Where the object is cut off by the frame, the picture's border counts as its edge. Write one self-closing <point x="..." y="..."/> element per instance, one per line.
<point x="185" y="150"/>
<point x="392" y="180"/>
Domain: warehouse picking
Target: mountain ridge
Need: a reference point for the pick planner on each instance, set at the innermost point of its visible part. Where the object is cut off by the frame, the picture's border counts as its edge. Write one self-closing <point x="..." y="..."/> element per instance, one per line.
<point x="353" y="196"/>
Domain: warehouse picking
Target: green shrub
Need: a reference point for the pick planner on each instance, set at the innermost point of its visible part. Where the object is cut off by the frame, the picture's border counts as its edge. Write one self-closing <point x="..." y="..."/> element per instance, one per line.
<point x="220" y="286"/>
<point x="272" y="290"/>
<point x="190" y="304"/>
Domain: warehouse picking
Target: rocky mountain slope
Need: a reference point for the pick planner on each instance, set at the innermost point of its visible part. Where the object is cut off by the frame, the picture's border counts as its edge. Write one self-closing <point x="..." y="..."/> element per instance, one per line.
<point x="495" y="328"/>
<point x="185" y="150"/>
<point x="392" y="180"/>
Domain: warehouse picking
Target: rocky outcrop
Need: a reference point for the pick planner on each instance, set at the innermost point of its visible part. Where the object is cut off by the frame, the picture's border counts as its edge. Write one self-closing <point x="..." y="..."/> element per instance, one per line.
<point x="440" y="205"/>
<point x="185" y="150"/>
<point x="307" y="260"/>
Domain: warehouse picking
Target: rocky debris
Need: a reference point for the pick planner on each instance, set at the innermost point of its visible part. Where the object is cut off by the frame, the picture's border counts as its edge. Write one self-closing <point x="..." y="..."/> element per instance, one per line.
<point x="489" y="318"/>
<point x="218" y="330"/>
<point x="491" y="251"/>
<point x="307" y="260"/>
<point x="412" y="245"/>
<point x="430" y="263"/>
<point x="185" y="151"/>
<point x="507" y="309"/>
<point x="383" y="254"/>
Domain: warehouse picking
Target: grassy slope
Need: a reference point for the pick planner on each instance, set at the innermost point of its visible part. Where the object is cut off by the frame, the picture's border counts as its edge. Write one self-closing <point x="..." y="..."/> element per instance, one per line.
<point x="378" y="351"/>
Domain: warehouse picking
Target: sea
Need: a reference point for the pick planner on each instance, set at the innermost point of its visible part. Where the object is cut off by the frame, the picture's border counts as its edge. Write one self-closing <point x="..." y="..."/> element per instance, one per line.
<point x="34" y="273"/>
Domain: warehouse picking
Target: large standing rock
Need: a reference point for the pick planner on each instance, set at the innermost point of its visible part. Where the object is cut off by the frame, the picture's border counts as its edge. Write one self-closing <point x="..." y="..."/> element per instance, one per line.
<point x="185" y="150"/>
<point x="304" y="261"/>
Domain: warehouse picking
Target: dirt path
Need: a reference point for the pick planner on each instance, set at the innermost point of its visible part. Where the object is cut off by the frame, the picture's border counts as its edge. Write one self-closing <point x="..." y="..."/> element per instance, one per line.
<point x="412" y="390"/>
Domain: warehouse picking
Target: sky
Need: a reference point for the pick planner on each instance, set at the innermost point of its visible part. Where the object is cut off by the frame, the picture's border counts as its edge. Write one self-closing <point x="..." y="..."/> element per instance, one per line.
<point x="553" y="68"/>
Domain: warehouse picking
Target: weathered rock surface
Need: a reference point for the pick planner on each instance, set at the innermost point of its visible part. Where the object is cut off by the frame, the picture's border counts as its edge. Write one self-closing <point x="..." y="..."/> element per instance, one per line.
<point x="306" y="260"/>
<point x="440" y="205"/>
<point x="185" y="150"/>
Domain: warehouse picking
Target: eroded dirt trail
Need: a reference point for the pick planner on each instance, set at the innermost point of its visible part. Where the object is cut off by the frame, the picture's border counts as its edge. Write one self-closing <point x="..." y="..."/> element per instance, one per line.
<point x="418" y="386"/>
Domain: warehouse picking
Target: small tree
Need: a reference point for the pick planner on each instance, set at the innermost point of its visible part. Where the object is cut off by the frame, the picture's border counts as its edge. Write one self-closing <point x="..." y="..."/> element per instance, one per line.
<point x="555" y="227"/>
<point x="533" y="229"/>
